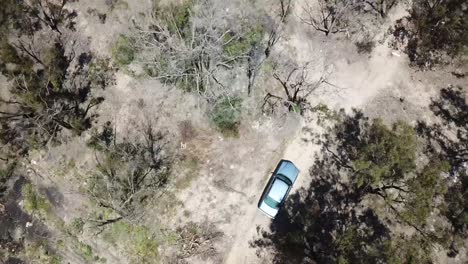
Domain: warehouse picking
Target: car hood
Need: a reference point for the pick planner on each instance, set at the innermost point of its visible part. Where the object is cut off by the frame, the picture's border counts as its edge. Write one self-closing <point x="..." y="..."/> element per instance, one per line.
<point x="270" y="212"/>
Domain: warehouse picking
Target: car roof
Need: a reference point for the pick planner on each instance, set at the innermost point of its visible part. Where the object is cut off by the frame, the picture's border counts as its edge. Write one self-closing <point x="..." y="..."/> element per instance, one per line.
<point x="288" y="169"/>
<point x="278" y="190"/>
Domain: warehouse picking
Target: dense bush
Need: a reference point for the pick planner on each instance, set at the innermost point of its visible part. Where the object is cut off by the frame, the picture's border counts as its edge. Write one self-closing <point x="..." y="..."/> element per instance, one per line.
<point x="175" y="16"/>
<point x="435" y="29"/>
<point x="226" y="115"/>
<point x="123" y="52"/>
<point x="192" y="45"/>
<point x="241" y="45"/>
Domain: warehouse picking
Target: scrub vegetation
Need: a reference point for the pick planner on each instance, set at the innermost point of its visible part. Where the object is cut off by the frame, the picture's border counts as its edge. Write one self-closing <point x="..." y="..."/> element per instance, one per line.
<point x="145" y="131"/>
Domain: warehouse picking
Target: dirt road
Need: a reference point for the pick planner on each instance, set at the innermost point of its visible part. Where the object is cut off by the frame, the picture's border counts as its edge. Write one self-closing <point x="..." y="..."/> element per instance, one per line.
<point x="360" y="80"/>
<point x="302" y="155"/>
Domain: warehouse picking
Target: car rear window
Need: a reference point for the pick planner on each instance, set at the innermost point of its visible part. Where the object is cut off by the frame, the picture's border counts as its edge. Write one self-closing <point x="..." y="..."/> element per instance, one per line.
<point x="270" y="202"/>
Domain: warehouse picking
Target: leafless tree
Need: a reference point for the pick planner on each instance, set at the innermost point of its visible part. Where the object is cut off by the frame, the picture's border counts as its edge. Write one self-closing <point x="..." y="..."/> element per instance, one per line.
<point x="381" y="6"/>
<point x="196" y="56"/>
<point x="271" y="103"/>
<point x="296" y="85"/>
<point x="128" y="172"/>
<point x="327" y="17"/>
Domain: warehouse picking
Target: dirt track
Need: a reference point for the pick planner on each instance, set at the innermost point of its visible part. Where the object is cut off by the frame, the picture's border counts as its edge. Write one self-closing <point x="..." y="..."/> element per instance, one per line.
<point x="359" y="81"/>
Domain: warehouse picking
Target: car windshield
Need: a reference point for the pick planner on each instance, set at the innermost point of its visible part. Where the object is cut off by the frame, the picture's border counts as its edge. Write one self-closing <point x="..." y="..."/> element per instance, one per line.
<point x="284" y="178"/>
<point x="270" y="202"/>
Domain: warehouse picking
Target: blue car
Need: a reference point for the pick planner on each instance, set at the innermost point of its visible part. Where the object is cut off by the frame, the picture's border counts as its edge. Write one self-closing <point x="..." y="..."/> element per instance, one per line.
<point x="278" y="188"/>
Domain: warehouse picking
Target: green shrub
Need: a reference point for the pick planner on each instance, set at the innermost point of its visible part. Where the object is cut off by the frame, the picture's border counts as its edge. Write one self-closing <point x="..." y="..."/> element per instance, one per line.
<point x="33" y="202"/>
<point x="150" y="71"/>
<point x="117" y="4"/>
<point x="242" y="45"/>
<point x="176" y="16"/>
<point x="6" y="172"/>
<point x="226" y="115"/>
<point x="141" y="243"/>
<point x="387" y="156"/>
<point x="296" y="108"/>
<point x="86" y="251"/>
<point x="325" y="114"/>
<point x="56" y="63"/>
<point x="122" y="51"/>
<point x="435" y="30"/>
<point x="77" y="225"/>
<point x="192" y="166"/>
<point x="101" y="73"/>
<point x="8" y="53"/>
<point x="38" y="252"/>
<point x="39" y="206"/>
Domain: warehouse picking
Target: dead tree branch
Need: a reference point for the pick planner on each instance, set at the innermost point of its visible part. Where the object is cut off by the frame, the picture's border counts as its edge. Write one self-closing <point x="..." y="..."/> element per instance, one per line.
<point x="296" y="85"/>
<point x="328" y="17"/>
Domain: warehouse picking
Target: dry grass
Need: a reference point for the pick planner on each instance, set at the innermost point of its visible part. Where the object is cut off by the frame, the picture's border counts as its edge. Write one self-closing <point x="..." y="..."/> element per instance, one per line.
<point x="191" y="166"/>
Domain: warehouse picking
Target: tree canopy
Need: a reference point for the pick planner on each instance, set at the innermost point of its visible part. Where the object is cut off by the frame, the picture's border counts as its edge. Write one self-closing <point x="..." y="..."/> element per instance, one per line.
<point x="49" y="85"/>
<point x="368" y="185"/>
<point x="435" y="29"/>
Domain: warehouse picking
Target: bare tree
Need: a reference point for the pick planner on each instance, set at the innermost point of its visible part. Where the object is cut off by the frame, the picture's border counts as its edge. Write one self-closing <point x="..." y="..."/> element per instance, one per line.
<point x="271" y="103"/>
<point x="328" y="17"/>
<point x="381" y="6"/>
<point x="296" y="85"/>
<point x="197" y="55"/>
<point x="128" y="172"/>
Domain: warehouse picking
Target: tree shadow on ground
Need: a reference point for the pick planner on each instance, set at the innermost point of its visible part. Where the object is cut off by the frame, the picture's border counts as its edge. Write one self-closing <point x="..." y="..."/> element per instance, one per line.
<point x="332" y="220"/>
<point x="324" y="223"/>
<point x="448" y="138"/>
<point x="14" y="230"/>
